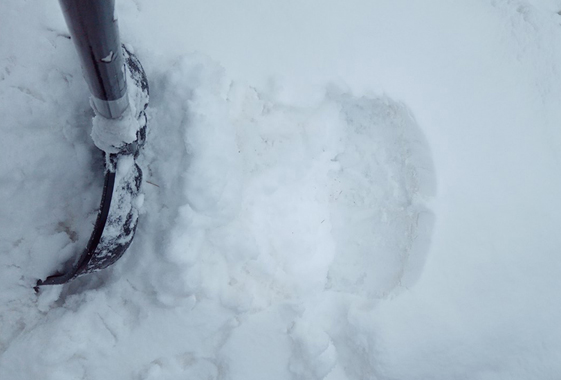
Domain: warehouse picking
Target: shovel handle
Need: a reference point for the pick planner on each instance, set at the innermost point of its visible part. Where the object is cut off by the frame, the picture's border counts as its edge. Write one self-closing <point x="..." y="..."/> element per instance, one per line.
<point x="94" y="30"/>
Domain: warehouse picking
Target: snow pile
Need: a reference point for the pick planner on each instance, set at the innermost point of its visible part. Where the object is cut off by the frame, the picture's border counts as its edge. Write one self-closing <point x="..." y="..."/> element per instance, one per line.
<point x="293" y="224"/>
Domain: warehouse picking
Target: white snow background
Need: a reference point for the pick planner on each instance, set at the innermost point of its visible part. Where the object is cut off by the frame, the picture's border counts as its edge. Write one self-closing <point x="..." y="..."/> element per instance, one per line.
<point x="339" y="190"/>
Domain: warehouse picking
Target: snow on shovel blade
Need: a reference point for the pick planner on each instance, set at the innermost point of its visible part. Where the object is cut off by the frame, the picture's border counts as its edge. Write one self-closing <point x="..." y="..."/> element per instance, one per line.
<point x="118" y="212"/>
<point x="115" y="225"/>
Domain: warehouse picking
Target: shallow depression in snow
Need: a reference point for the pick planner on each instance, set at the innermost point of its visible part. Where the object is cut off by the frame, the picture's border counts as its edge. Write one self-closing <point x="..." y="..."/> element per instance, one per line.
<point x="271" y="210"/>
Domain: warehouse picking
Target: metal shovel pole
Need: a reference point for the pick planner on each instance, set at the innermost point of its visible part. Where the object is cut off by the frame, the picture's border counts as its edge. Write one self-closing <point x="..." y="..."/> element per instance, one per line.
<point x="94" y="30"/>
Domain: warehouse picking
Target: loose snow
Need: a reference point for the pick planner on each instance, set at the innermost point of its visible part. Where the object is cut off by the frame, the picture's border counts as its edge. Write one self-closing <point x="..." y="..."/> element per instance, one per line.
<point x="332" y="190"/>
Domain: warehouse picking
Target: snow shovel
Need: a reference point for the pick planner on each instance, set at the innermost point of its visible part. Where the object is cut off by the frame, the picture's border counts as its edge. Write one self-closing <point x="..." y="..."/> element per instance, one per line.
<point x="106" y="65"/>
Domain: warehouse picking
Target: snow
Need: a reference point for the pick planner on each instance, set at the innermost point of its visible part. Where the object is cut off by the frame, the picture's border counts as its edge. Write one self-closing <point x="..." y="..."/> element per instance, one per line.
<point x="332" y="190"/>
<point x="111" y="134"/>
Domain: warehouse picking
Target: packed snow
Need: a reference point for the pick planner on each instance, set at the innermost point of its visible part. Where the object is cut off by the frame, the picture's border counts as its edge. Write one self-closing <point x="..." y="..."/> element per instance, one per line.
<point x="332" y="190"/>
<point x="109" y="135"/>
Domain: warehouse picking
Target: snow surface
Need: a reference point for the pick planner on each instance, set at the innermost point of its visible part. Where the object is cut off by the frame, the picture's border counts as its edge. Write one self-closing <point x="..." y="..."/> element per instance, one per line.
<point x="333" y="190"/>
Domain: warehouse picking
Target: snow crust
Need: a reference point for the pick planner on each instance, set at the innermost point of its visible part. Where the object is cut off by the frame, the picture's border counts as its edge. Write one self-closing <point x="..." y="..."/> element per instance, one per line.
<point x="333" y="190"/>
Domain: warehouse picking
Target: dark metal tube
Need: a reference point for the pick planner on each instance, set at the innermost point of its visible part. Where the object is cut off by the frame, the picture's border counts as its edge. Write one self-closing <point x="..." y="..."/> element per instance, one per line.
<point x="94" y="30"/>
